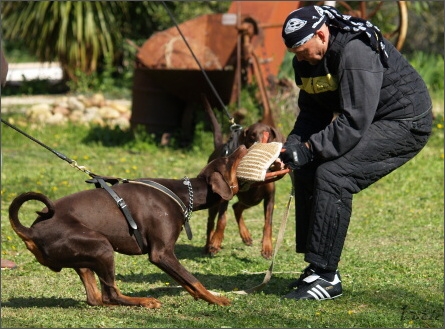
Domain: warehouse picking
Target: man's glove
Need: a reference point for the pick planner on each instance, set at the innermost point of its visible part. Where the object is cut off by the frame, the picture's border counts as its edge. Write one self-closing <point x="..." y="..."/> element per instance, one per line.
<point x="295" y="154"/>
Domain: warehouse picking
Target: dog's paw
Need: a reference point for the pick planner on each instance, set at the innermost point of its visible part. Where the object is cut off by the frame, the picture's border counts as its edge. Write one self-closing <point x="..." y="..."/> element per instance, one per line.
<point x="212" y="250"/>
<point x="267" y="254"/>
<point x="247" y="241"/>
<point x="150" y="302"/>
<point x="223" y="301"/>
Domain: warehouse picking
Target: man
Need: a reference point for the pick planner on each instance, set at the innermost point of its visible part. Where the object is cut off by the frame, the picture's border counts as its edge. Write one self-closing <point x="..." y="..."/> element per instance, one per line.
<point x="382" y="119"/>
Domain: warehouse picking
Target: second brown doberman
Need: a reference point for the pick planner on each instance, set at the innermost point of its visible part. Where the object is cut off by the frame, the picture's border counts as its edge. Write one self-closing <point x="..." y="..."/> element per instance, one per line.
<point x="247" y="198"/>
<point x="83" y="230"/>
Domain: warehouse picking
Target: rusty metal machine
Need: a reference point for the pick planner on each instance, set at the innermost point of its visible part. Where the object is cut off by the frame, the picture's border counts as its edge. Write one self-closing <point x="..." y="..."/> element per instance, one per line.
<point x="238" y="47"/>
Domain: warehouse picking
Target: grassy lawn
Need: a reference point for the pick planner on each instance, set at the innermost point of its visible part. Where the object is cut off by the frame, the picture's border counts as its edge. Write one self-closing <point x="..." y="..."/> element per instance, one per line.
<point x="392" y="263"/>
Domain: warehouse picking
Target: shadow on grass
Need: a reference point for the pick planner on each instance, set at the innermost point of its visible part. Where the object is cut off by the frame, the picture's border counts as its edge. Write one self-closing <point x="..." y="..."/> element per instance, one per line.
<point x="23" y="302"/>
<point x="135" y="138"/>
<point x="185" y="251"/>
<point x="108" y="136"/>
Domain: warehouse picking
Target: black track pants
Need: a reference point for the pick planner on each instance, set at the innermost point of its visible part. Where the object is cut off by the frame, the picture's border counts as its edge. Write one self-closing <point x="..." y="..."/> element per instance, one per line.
<point x="323" y="192"/>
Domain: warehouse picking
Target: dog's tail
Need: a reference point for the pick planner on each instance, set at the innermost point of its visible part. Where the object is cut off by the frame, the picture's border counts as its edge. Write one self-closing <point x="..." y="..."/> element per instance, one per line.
<point x="24" y="232"/>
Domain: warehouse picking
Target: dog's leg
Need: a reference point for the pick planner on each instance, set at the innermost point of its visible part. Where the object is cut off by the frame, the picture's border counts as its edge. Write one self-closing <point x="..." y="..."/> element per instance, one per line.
<point x="268" y="205"/>
<point x="238" y="209"/>
<point x="110" y="293"/>
<point x="94" y="296"/>
<point x="96" y="254"/>
<point x="164" y="258"/>
<point x="112" y="296"/>
<point x="214" y="246"/>
<point x="212" y="212"/>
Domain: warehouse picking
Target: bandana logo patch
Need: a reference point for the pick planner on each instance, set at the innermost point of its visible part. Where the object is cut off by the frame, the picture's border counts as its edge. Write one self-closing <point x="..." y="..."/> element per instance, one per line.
<point x="294" y="24"/>
<point x="319" y="10"/>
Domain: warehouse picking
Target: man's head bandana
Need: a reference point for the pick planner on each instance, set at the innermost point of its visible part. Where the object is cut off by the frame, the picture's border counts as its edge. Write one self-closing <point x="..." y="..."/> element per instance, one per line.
<point x="301" y="25"/>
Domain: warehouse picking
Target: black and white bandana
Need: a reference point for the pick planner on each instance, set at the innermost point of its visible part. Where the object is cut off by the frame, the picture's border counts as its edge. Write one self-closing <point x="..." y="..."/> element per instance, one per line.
<point x="301" y="25"/>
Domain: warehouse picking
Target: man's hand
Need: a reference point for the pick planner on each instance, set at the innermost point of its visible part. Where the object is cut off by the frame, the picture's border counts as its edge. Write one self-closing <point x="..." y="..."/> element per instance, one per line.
<point x="295" y="154"/>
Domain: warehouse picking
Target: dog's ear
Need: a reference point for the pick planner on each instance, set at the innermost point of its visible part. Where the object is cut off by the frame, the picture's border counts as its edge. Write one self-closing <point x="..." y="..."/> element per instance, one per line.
<point x="220" y="186"/>
<point x="276" y="136"/>
<point x="242" y="136"/>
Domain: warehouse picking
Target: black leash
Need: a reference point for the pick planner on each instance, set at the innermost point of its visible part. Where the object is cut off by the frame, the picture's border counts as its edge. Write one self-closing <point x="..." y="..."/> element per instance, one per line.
<point x="60" y="155"/>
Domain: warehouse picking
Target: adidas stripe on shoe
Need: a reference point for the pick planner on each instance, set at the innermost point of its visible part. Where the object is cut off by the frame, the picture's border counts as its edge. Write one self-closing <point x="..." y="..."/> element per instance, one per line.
<point x="306" y="272"/>
<point x="317" y="288"/>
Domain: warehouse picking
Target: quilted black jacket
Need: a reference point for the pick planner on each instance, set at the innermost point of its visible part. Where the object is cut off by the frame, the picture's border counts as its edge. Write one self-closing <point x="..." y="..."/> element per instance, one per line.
<point x="351" y="81"/>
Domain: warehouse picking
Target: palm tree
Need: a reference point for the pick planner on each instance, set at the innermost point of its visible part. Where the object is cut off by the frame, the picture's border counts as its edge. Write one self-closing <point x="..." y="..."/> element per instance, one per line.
<point x="78" y="34"/>
<point x="81" y="34"/>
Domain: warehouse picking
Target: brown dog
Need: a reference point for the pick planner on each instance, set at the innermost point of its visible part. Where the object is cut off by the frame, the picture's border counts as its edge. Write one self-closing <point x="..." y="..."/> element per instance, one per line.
<point x="246" y="198"/>
<point x="83" y="230"/>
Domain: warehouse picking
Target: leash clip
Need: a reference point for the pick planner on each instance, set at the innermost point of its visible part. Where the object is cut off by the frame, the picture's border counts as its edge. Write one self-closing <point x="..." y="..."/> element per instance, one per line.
<point x="236" y="127"/>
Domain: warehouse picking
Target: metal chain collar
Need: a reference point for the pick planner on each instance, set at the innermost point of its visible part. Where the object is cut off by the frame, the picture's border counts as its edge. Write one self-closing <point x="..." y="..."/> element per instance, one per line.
<point x="188" y="213"/>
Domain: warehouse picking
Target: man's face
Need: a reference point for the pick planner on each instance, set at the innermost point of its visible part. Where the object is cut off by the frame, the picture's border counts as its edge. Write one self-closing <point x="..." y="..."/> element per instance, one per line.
<point x="311" y="51"/>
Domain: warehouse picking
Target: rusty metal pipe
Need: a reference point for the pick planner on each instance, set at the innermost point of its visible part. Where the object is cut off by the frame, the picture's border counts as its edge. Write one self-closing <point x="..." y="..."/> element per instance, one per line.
<point x="267" y="115"/>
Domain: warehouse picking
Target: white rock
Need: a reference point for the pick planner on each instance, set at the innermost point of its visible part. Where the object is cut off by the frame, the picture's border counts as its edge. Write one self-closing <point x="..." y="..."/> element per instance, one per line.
<point x="120" y="122"/>
<point x="109" y="113"/>
<point x="56" y="119"/>
<point x="75" y="104"/>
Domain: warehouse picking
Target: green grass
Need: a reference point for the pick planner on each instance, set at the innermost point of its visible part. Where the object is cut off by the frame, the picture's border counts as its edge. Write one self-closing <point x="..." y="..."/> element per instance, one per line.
<point x="392" y="263"/>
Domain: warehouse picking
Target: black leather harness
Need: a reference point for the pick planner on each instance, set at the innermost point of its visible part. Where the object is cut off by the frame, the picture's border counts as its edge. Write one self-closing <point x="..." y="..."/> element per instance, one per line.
<point x="102" y="182"/>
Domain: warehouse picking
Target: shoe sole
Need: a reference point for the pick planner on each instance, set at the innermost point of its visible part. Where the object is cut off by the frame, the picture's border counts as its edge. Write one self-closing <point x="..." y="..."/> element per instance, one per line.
<point x="318" y="300"/>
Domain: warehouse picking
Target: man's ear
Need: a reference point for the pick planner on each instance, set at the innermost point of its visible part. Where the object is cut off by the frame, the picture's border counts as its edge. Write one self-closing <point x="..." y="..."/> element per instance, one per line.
<point x="323" y="33"/>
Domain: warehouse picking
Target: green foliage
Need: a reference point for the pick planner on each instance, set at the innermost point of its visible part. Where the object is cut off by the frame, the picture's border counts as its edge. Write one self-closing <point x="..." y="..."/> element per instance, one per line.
<point x="35" y="87"/>
<point x="431" y="68"/>
<point x="17" y="51"/>
<point x="286" y="69"/>
<point x="107" y="81"/>
<point x="185" y="10"/>
<point x="425" y="27"/>
<point x="75" y="33"/>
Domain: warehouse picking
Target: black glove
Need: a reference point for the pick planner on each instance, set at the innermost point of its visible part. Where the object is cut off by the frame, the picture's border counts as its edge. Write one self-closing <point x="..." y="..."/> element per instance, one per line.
<point x="295" y="154"/>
